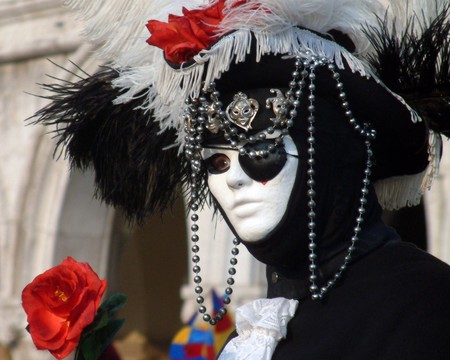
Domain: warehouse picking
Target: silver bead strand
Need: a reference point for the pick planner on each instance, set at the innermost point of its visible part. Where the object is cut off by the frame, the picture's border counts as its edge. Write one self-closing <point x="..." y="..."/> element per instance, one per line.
<point x="208" y="317"/>
<point x="313" y="288"/>
<point x="356" y="231"/>
<point x="195" y="126"/>
<point x="369" y="135"/>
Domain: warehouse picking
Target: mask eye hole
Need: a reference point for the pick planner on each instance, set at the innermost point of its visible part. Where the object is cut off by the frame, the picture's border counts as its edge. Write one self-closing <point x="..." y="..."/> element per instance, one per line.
<point x="218" y="163"/>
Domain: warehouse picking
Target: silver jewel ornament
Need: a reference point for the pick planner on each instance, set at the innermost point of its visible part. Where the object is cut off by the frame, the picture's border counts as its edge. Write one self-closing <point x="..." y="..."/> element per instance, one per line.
<point x="213" y="110"/>
<point x="281" y="106"/>
<point x="242" y="111"/>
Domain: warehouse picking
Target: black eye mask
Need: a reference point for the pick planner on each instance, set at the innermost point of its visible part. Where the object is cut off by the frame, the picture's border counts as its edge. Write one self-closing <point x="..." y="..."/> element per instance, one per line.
<point x="259" y="168"/>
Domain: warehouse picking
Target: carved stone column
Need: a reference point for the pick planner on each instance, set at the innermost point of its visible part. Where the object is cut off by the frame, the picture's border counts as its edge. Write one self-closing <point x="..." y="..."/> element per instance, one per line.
<point x="437" y="207"/>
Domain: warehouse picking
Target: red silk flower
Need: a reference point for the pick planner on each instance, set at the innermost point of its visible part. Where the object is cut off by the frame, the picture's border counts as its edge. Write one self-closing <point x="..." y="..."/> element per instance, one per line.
<point x="182" y="37"/>
<point x="60" y="303"/>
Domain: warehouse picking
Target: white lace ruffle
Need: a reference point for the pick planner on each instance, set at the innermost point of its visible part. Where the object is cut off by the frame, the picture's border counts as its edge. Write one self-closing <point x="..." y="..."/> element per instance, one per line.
<point x="260" y="325"/>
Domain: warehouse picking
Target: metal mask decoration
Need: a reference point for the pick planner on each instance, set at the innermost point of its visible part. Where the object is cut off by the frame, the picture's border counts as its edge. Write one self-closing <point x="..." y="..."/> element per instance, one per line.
<point x="280" y="105"/>
<point x="242" y="111"/>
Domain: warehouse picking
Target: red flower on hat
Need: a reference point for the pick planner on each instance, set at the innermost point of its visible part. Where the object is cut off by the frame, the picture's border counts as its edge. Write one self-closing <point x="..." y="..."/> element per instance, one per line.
<point x="182" y="37"/>
<point x="60" y="303"/>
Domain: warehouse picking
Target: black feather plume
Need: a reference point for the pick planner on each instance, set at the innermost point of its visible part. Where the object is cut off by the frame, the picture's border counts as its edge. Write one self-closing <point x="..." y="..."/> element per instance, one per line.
<point x="415" y="63"/>
<point x="121" y="142"/>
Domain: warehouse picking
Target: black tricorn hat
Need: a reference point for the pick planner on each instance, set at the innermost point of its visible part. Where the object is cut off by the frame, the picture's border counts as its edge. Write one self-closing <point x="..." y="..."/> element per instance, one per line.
<point x="401" y="145"/>
<point x="406" y="150"/>
<point x="125" y="120"/>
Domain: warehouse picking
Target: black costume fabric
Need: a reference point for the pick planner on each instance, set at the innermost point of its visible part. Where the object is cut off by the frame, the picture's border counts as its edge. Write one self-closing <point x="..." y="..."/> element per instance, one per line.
<point x="390" y="302"/>
<point x="393" y="303"/>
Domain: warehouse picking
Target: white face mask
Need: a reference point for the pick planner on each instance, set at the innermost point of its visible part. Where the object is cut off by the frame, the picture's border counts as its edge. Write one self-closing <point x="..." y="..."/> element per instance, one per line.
<point x="253" y="208"/>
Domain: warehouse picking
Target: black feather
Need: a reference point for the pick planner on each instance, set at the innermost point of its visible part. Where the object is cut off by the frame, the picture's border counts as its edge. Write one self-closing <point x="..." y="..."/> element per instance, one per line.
<point x="121" y="142"/>
<point x="416" y="64"/>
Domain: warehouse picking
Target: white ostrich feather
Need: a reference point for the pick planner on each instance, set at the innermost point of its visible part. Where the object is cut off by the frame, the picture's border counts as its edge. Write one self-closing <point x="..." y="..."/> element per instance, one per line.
<point x="346" y="16"/>
<point x="401" y="10"/>
<point x="118" y="26"/>
<point x="424" y="11"/>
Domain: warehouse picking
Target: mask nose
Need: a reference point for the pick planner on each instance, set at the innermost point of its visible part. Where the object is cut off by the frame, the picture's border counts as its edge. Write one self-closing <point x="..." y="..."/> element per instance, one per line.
<point x="236" y="177"/>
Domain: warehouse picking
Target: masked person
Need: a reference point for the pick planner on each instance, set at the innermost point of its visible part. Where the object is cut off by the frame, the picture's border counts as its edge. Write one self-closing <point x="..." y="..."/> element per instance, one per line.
<point x="300" y="143"/>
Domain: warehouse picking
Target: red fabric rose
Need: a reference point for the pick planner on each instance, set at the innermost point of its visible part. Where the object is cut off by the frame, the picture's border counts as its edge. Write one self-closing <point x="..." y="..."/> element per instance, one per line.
<point x="182" y="37"/>
<point x="60" y="303"/>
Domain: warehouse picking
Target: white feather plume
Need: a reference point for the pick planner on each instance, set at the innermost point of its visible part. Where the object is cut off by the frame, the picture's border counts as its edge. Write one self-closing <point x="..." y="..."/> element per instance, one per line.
<point x="399" y="11"/>
<point x="275" y="16"/>
<point x="407" y="8"/>
<point x="118" y="26"/>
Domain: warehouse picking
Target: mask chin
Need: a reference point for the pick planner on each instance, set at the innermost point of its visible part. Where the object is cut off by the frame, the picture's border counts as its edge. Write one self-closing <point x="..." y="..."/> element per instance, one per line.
<point x="248" y="242"/>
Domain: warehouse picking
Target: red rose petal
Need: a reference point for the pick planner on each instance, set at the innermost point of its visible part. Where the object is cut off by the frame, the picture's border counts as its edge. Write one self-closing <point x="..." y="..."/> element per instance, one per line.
<point x="66" y="349"/>
<point x="182" y="52"/>
<point x="82" y="316"/>
<point x="60" y="303"/>
<point x="44" y="326"/>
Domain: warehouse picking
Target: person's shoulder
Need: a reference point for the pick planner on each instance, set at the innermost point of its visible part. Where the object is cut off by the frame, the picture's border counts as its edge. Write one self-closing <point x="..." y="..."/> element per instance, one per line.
<point x="405" y="273"/>
<point x="414" y="275"/>
<point x="418" y="295"/>
<point x="406" y="257"/>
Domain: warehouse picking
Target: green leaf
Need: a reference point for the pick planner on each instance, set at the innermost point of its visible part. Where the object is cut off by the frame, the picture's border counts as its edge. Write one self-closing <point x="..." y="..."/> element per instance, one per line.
<point x="96" y="343"/>
<point x="113" y="303"/>
<point x="78" y="354"/>
<point x="105" y="312"/>
<point x="98" y="335"/>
